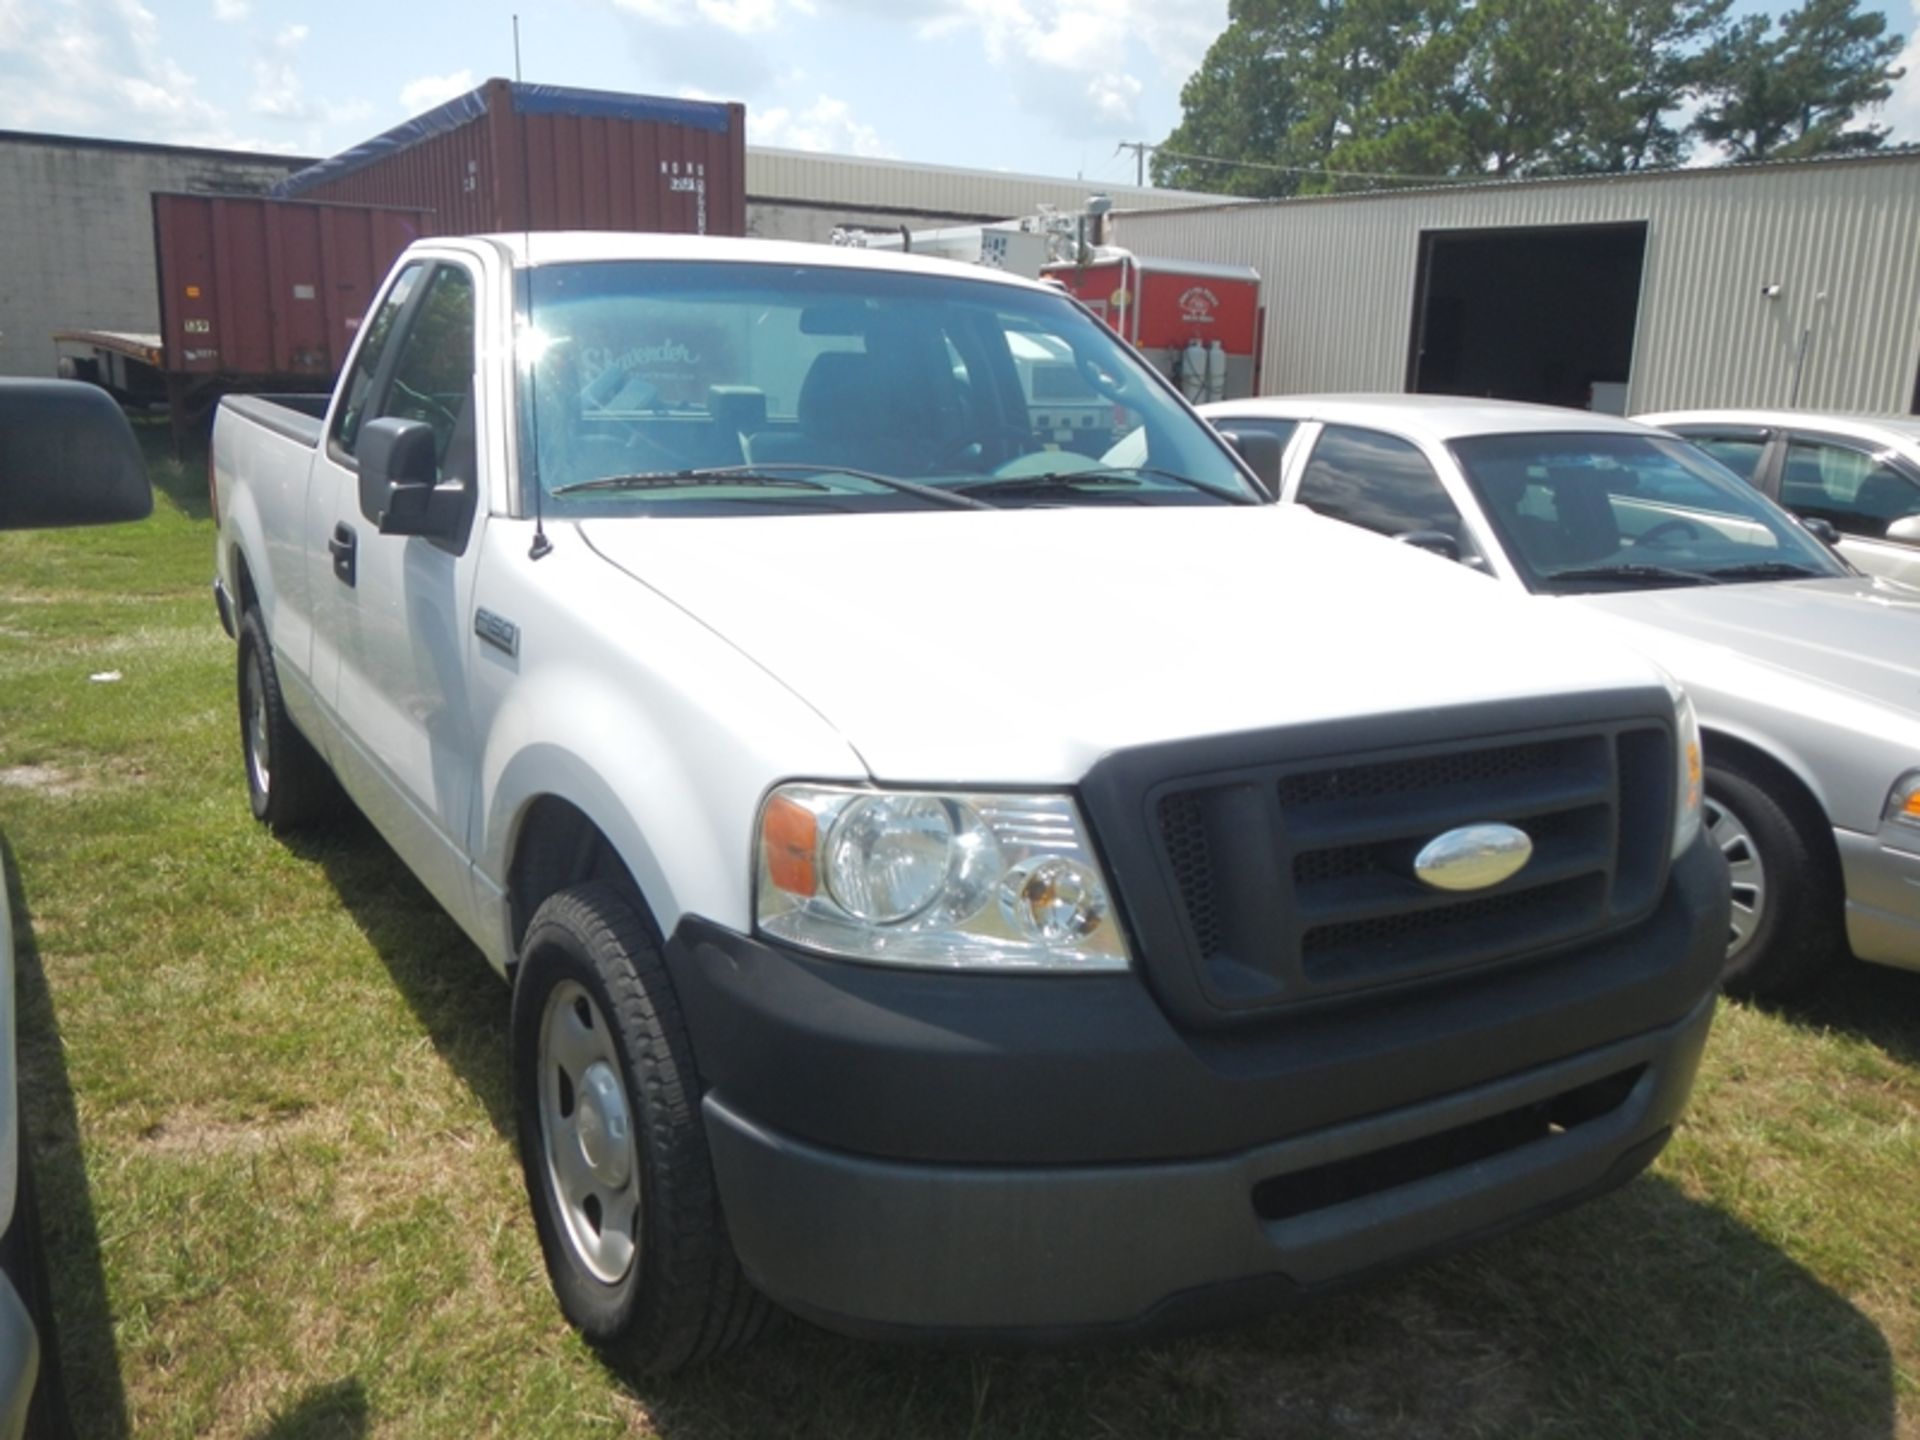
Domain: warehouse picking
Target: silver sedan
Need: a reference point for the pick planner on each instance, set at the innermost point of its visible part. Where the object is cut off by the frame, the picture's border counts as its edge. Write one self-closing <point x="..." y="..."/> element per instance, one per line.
<point x="1858" y="473"/>
<point x="1806" y="674"/>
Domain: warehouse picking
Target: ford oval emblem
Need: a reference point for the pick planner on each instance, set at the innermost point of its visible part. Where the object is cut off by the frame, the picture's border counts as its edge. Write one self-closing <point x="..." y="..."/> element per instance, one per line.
<point x="1473" y="857"/>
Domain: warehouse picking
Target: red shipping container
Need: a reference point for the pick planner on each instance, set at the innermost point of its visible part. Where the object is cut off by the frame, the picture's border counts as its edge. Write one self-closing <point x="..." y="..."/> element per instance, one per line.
<point x="509" y="157"/>
<point x="265" y="288"/>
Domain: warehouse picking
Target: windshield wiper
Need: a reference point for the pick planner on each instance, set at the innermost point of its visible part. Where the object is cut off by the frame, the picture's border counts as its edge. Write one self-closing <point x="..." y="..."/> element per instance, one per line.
<point x="677" y="479"/>
<point x="1768" y="570"/>
<point x="774" y="476"/>
<point x="1120" y="476"/>
<point x="1662" y="573"/>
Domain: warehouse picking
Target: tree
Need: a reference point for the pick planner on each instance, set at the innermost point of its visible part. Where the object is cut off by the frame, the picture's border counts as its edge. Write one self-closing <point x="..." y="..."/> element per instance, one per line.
<point x="1339" y="94"/>
<point x="1283" y="86"/>
<point x="1799" y="92"/>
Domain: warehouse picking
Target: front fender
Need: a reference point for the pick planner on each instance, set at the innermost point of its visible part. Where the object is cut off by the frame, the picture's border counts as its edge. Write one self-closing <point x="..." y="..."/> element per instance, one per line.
<point x="663" y="734"/>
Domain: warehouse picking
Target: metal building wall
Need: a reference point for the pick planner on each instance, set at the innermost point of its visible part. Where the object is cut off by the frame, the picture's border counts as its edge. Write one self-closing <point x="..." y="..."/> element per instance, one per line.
<point x="1840" y="237"/>
<point x="936" y="193"/>
<point x="76" y="233"/>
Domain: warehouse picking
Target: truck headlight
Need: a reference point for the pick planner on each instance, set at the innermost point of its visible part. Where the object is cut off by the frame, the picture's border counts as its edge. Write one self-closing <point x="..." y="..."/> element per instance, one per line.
<point x="1689" y="782"/>
<point x="1903" y="801"/>
<point x="935" y="879"/>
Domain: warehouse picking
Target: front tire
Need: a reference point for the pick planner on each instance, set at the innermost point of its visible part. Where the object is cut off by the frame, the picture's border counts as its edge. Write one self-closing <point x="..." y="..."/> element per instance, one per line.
<point x="611" y="1140"/>
<point x="288" y="784"/>
<point x="1786" y="895"/>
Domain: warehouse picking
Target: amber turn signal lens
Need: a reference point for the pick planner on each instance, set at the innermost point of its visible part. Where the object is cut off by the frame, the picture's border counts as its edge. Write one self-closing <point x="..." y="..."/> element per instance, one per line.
<point x="790" y="838"/>
<point x="1912" y="808"/>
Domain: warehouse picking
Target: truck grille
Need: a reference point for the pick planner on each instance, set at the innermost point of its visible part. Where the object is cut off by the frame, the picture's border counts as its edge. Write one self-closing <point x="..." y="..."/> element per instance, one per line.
<point x="1294" y="880"/>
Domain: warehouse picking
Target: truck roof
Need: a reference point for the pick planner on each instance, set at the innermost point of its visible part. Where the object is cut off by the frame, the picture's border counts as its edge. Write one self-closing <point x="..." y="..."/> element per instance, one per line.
<point x="551" y="247"/>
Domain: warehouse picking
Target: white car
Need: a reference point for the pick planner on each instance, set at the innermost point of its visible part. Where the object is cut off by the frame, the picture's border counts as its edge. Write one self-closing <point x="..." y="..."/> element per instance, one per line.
<point x="1858" y="473"/>
<point x="1806" y="674"/>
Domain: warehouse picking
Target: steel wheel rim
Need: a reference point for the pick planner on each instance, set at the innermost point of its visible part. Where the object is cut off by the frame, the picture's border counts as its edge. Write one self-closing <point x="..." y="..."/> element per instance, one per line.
<point x="586" y="1134"/>
<point x="259" y="763"/>
<point x="1746" y="873"/>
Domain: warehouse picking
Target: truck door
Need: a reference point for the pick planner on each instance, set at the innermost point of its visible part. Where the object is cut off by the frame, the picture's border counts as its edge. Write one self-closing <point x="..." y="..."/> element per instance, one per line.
<point x="406" y="745"/>
<point x="333" y="468"/>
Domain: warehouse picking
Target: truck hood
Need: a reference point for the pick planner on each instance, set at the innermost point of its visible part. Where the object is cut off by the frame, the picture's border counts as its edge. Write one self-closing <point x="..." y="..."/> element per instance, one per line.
<point x="1020" y="646"/>
<point x="1856" y="635"/>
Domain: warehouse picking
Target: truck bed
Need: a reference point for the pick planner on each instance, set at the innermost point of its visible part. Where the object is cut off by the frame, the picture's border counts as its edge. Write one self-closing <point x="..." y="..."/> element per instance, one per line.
<point x="296" y="417"/>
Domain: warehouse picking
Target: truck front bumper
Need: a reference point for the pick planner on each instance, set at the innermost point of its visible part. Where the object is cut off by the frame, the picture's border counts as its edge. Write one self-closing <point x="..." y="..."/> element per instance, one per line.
<point x="1033" y="1157"/>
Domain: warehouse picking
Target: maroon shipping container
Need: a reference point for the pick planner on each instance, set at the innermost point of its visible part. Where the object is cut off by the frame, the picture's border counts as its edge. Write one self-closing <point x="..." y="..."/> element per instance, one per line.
<point x="512" y="157"/>
<point x="267" y="288"/>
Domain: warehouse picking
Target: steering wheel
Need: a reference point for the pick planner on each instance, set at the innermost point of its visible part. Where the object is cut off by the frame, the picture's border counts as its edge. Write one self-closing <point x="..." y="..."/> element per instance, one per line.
<point x="1111" y="386"/>
<point x="1672" y="529"/>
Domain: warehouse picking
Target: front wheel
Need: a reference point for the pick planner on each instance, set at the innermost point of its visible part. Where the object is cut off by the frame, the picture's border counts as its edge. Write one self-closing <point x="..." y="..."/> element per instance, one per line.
<point x="611" y="1140"/>
<point x="1785" y="924"/>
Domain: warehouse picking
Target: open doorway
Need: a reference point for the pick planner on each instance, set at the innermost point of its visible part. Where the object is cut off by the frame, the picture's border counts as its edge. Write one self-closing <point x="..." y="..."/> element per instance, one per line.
<point x="1528" y="314"/>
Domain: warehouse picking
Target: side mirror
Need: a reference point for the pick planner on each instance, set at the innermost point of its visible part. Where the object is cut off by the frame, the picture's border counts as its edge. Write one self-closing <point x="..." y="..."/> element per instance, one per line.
<point x="1262" y="451"/>
<point x="1437" y="542"/>
<point x="399" y="471"/>
<point x="1906" y="531"/>
<point x="1821" y="530"/>
<point x="67" y="457"/>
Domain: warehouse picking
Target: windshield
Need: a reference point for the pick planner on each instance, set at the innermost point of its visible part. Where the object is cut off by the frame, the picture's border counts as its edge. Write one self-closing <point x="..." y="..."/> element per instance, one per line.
<point x="702" y="388"/>
<point x="1597" y="512"/>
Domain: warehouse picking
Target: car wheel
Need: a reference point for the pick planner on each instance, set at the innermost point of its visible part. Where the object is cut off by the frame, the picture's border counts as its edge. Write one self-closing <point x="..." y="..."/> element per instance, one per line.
<point x="288" y="784"/>
<point x="611" y="1140"/>
<point x="1785" y="924"/>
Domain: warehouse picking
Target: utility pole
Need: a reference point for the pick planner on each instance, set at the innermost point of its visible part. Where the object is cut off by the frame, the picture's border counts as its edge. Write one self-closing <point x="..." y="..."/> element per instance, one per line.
<point x="1140" y="149"/>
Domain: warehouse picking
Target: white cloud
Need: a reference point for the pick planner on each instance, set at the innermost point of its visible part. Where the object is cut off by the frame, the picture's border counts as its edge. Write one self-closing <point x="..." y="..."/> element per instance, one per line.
<point x="278" y="92"/>
<point x="1902" y="110"/>
<point x="97" y="64"/>
<point x="1078" y="35"/>
<point x="742" y="17"/>
<point x="232" y="11"/>
<point x="1115" y="98"/>
<point x="427" y="91"/>
<point x="827" y="125"/>
<point x="1073" y="62"/>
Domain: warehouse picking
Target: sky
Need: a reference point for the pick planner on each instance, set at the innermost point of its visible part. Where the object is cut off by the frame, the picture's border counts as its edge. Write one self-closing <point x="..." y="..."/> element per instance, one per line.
<point x="1047" y="87"/>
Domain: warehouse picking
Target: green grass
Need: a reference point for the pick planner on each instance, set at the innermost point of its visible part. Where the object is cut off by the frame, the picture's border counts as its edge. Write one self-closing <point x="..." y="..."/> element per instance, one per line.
<point x="266" y="1098"/>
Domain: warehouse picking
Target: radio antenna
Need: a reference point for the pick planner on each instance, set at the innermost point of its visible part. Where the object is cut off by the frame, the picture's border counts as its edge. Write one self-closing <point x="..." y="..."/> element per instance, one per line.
<point x="541" y="545"/>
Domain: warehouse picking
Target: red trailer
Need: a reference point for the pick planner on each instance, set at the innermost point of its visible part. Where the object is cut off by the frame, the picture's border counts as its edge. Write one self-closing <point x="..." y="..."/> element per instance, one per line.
<point x="254" y="295"/>
<point x="512" y="156"/>
<point x="1177" y="312"/>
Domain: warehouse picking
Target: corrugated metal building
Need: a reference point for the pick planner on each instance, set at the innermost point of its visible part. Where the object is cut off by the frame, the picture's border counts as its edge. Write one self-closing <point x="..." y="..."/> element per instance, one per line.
<point x="1755" y="285"/>
<point x="803" y="195"/>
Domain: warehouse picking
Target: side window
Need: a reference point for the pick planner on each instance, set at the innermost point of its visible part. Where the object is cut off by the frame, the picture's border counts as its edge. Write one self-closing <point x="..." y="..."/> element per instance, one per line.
<point x="1380" y="483"/>
<point x="1739" y="453"/>
<point x="1847" y="487"/>
<point x="359" y="384"/>
<point x="433" y="372"/>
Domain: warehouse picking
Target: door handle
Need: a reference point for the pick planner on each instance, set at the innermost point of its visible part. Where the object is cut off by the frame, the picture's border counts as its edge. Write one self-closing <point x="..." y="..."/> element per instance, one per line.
<point x="341" y="545"/>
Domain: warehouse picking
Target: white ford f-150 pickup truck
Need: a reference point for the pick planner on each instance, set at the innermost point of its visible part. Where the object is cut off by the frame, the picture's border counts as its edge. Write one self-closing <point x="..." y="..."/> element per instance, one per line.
<point x="938" y="896"/>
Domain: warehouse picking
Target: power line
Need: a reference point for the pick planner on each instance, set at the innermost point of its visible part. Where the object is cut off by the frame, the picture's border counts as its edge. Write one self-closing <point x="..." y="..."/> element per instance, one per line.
<point x="1307" y="169"/>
